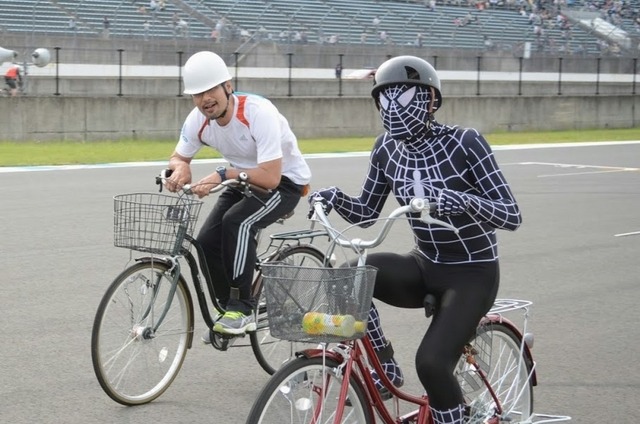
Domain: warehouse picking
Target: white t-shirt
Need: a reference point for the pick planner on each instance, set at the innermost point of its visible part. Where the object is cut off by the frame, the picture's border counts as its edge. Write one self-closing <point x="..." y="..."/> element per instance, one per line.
<point x="257" y="133"/>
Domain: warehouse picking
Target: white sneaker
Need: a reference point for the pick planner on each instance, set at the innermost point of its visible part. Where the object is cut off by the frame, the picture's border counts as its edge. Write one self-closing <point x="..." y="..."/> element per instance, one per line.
<point x="235" y="322"/>
<point x="206" y="336"/>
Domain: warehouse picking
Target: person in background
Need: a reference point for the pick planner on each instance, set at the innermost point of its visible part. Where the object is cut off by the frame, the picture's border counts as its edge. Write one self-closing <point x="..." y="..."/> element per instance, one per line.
<point x="251" y="134"/>
<point x="454" y="168"/>
<point x="106" y="24"/>
<point x="72" y="25"/>
<point x="13" y="79"/>
<point x="339" y="70"/>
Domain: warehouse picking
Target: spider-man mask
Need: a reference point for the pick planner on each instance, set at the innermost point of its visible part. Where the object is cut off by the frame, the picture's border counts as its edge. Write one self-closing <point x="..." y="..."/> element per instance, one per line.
<point x="404" y="110"/>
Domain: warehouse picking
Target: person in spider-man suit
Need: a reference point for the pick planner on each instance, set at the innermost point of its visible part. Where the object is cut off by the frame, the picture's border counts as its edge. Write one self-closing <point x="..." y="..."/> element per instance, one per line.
<point x="455" y="168"/>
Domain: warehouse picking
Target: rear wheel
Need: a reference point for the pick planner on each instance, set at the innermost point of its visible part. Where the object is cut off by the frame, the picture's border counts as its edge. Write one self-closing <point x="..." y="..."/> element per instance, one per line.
<point x="270" y="352"/>
<point x="133" y="362"/>
<point x="299" y="393"/>
<point x="508" y="371"/>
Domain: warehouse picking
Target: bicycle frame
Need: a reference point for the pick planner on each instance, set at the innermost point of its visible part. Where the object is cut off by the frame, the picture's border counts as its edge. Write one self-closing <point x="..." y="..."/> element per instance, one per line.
<point x="199" y="266"/>
<point x="353" y="357"/>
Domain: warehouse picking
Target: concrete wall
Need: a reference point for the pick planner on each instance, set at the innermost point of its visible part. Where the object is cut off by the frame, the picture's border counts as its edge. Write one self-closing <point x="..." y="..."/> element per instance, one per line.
<point x="90" y="108"/>
<point x="112" y="118"/>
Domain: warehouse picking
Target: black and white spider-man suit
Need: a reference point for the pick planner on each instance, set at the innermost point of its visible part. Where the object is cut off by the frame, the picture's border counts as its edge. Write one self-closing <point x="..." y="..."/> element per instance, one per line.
<point x="455" y="167"/>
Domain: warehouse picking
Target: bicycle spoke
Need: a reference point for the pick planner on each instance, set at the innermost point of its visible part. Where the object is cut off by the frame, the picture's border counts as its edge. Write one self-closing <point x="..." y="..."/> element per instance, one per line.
<point x="499" y="355"/>
<point x="306" y="391"/>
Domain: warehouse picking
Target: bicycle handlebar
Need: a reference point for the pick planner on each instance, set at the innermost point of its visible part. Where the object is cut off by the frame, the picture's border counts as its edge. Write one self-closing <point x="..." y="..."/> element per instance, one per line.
<point x="241" y="183"/>
<point x="416" y="205"/>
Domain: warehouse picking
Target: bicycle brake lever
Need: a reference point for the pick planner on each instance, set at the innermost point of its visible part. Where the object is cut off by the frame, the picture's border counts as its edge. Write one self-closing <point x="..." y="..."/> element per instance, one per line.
<point x="428" y="219"/>
<point x="164" y="174"/>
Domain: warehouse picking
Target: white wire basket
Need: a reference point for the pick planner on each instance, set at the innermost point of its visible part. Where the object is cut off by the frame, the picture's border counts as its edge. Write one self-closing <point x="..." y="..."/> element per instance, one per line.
<point x="318" y="304"/>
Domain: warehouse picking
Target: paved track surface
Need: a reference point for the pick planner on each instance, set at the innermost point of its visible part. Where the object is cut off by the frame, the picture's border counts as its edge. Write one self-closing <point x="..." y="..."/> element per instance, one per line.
<point x="57" y="259"/>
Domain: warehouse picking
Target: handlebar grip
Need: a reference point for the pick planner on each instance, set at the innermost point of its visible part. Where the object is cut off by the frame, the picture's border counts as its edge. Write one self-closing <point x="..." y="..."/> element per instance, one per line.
<point x="261" y="191"/>
<point x="164" y="174"/>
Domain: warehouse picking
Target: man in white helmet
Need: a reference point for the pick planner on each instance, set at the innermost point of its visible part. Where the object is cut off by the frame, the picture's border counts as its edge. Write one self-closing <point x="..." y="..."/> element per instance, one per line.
<point x="252" y="135"/>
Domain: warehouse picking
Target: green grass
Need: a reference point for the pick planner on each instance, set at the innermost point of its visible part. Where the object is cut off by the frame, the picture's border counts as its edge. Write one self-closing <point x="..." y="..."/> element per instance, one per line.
<point x="67" y="152"/>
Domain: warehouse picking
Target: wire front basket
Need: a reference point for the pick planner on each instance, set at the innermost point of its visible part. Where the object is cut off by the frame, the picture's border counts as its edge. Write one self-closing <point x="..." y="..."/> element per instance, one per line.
<point x="153" y="222"/>
<point x="318" y="304"/>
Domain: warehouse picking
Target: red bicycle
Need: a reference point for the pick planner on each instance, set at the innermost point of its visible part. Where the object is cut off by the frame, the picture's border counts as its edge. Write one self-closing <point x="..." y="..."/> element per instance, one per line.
<point x="332" y="383"/>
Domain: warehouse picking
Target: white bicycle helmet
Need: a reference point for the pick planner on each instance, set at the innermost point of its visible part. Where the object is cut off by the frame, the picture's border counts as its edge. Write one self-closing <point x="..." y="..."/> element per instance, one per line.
<point x="203" y="71"/>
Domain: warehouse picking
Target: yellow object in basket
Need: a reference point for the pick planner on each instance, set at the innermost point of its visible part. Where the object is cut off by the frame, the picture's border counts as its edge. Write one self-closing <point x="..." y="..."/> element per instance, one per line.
<point x="317" y="323"/>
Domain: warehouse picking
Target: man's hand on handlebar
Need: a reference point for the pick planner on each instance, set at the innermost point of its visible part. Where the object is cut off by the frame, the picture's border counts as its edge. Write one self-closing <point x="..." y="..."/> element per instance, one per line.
<point x="203" y="187"/>
<point x="212" y="184"/>
<point x="176" y="178"/>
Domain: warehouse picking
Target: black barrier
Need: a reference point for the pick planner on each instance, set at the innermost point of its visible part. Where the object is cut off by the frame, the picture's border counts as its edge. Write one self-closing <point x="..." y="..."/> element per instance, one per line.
<point x="478" y="68"/>
<point x="57" y="49"/>
<point x="180" y="73"/>
<point x="559" y="76"/>
<point x="520" y="63"/>
<point x="339" y="74"/>
<point x="120" y="51"/>
<point x="290" y="93"/>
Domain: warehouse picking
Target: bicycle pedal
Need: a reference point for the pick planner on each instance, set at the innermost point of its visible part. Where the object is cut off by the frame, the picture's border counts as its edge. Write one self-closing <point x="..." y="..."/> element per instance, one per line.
<point x="222" y="341"/>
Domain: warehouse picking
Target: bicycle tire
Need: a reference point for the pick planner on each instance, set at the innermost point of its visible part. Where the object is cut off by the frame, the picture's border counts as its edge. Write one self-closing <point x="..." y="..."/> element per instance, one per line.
<point x="291" y="395"/>
<point x="508" y="371"/>
<point x="271" y="352"/>
<point x="134" y="365"/>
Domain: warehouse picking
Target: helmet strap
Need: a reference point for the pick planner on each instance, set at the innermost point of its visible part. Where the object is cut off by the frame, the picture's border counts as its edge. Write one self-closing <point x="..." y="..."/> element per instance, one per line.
<point x="433" y="100"/>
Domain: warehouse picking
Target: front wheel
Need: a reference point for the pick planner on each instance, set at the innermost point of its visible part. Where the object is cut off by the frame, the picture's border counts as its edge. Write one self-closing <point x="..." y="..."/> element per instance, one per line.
<point x="498" y="352"/>
<point x="270" y="352"/>
<point x="134" y="361"/>
<point x="301" y="393"/>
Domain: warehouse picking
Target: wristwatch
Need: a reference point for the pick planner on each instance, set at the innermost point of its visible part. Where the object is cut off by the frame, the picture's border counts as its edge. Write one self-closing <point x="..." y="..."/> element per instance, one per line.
<point x="222" y="171"/>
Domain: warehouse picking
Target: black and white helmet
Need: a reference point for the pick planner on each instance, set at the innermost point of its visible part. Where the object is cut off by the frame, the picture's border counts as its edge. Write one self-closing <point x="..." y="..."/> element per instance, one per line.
<point x="410" y="70"/>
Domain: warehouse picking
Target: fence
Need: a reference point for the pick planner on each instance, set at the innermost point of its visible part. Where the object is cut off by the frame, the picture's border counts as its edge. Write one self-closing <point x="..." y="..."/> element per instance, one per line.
<point x="304" y="72"/>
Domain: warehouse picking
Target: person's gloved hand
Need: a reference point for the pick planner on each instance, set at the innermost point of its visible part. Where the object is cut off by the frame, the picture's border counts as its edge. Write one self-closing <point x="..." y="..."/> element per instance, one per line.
<point x="328" y="197"/>
<point x="452" y="202"/>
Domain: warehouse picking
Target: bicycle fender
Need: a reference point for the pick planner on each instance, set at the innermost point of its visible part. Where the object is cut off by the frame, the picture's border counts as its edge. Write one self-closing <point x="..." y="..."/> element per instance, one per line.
<point x="282" y="252"/>
<point x="149" y="259"/>
<point x="499" y="319"/>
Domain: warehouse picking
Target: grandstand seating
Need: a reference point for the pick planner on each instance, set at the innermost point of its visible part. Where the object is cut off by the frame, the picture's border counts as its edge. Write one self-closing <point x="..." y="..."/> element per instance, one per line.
<point x="319" y="19"/>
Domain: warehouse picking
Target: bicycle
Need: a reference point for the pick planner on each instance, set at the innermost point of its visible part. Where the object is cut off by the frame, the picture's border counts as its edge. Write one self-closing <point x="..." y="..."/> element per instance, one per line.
<point x="496" y="370"/>
<point x="145" y="321"/>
